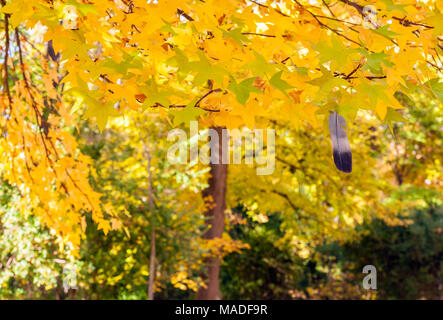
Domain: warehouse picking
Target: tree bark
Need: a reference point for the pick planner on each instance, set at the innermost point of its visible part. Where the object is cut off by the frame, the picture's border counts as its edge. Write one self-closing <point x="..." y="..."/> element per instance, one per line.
<point x="151" y="281"/>
<point x="215" y="219"/>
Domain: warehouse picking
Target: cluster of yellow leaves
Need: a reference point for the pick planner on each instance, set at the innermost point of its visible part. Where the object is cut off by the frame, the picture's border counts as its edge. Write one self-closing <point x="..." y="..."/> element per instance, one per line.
<point x="40" y="157"/>
<point x="222" y="246"/>
<point x="181" y="281"/>
<point x="244" y="59"/>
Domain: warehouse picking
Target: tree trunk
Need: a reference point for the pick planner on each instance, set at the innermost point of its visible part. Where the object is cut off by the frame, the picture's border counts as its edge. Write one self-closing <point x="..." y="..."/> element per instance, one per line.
<point x="151" y="282"/>
<point x="152" y="266"/>
<point x="215" y="219"/>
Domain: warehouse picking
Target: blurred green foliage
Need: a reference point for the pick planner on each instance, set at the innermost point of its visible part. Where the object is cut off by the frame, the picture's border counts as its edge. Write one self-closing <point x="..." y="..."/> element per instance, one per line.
<point x="266" y="270"/>
<point x="408" y="258"/>
<point x="31" y="263"/>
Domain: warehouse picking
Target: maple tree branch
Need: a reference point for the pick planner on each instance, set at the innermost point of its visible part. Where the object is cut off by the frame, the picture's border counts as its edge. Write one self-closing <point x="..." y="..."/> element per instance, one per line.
<point x="197" y="104"/>
<point x="130" y="6"/>
<point x="370" y="77"/>
<point x="28" y="169"/>
<point x="135" y="28"/>
<point x="258" y="34"/>
<point x="25" y="79"/>
<point x="329" y="8"/>
<point x="293" y="168"/>
<point x="323" y="25"/>
<point x="338" y="20"/>
<point x="259" y="4"/>
<point x="184" y="106"/>
<point x="5" y="63"/>
<point x="285" y="59"/>
<point x="289" y="201"/>
<point x="435" y="61"/>
<point x="403" y="21"/>
<point x="38" y="115"/>
<point x="178" y="106"/>
<point x="356" y="6"/>
<point x="30" y="43"/>
<point x="408" y="23"/>
<point x="40" y="120"/>
<point x="267" y="7"/>
<point x="286" y="197"/>
<point x="180" y="12"/>
<point x="436" y="67"/>
<point x="353" y="71"/>
<point x="437" y="55"/>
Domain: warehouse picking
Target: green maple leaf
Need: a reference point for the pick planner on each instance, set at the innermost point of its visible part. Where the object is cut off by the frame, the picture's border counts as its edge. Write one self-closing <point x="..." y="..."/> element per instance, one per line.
<point x="153" y="99"/>
<point x="236" y="35"/>
<point x="187" y="114"/>
<point x="101" y="112"/>
<point x="95" y="109"/>
<point x="129" y="62"/>
<point x="326" y="83"/>
<point x="303" y="71"/>
<point x="168" y="28"/>
<point x="243" y="89"/>
<point x="374" y="61"/>
<point x="391" y="6"/>
<point x="205" y="71"/>
<point x="280" y="84"/>
<point x="203" y="68"/>
<point x="84" y="9"/>
<point x="374" y="92"/>
<point x="393" y="116"/>
<point x="181" y="61"/>
<point x="260" y="66"/>
<point x="154" y="95"/>
<point x="336" y="52"/>
<point x="385" y="32"/>
<point x="436" y="86"/>
<point x="348" y="106"/>
<point x="436" y="22"/>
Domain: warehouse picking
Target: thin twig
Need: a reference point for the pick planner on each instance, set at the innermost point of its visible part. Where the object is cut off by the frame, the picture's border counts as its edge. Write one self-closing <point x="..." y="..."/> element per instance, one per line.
<point x="258" y="34"/>
<point x="5" y="63"/>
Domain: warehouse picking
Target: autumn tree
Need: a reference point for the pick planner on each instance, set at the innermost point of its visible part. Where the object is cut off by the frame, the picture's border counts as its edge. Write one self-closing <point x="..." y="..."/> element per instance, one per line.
<point x="227" y="64"/>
